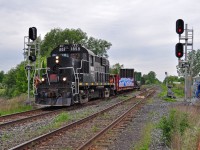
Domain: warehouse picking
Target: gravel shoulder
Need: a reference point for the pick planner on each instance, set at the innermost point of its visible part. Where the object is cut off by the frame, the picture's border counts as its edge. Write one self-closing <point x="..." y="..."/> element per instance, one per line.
<point x="150" y="113"/>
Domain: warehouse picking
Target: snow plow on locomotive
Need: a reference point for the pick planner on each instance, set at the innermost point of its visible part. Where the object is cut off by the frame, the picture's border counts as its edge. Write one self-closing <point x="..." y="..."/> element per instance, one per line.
<point x="75" y="74"/>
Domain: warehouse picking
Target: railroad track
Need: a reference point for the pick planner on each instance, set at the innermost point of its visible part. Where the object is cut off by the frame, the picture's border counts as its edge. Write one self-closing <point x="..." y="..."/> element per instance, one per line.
<point x="103" y="139"/>
<point x="25" y="116"/>
<point x="21" y="117"/>
<point x="75" y="135"/>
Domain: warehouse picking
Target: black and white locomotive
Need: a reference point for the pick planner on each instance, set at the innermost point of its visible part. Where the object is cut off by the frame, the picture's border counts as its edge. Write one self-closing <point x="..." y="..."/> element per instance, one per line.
<point x="74" y="74"/>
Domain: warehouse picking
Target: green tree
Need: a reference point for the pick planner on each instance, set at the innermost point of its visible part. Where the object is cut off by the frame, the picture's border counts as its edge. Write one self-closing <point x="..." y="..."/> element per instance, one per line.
<point x="98" y="46"/>
<point x="194" y="60"/>
<point x="58" y="36"/>
<point x="10" y="82"/>
<point x="15" y="81"/>
<point x="21" y="80"/>
<point x="171" y="79"/>
<point x="1" y="76"/>
<point x="145" y="79"/>
<point x="150" y="78"/>
<point x="116" y="68"/>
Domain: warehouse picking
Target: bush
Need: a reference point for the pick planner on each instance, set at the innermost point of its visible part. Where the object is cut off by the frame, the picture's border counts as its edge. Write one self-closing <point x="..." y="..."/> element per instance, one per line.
<point x="175" y="123"/>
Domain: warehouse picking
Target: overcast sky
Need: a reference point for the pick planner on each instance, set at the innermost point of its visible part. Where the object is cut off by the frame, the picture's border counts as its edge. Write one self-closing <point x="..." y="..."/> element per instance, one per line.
<point x="142" y="32"/>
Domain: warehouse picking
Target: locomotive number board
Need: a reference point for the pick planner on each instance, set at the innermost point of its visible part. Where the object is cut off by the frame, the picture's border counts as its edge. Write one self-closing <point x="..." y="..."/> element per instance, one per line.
<point x="70" y="47"/>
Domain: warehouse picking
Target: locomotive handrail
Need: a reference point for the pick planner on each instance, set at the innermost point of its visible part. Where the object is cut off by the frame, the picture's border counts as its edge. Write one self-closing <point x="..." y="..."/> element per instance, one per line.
<point x="34" y="86"/>
<point x="81" y="66"/>
<point x="79" y="73"/>
<point x="47" y="69"/>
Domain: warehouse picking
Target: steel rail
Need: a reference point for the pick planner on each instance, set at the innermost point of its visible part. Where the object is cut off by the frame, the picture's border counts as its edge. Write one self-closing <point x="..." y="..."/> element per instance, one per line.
<point x="28" y="118"/>
<point x="20" y="113"/>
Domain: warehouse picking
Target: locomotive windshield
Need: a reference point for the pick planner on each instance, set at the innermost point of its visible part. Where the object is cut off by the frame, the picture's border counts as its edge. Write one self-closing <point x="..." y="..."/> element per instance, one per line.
<point x="64" y="55"/>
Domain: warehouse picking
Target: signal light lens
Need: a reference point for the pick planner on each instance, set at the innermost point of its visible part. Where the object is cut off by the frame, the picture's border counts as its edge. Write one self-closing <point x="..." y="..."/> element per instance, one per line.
<point x="33" y="33"/>
<point x="32" y="58"/>
<point x="179" y="26"/>
<point x="179" y="50"/>
<point x="57" y="57"/>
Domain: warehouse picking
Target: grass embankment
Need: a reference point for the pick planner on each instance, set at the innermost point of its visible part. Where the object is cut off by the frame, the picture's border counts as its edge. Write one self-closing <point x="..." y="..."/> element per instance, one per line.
<point x="181" y="129"/>
<point x="145" y="140"/>
<point x="14" y="105"/>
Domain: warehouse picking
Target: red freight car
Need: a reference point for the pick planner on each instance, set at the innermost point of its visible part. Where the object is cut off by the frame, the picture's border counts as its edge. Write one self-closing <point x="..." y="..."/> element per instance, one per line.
<point x="124" y="81"/>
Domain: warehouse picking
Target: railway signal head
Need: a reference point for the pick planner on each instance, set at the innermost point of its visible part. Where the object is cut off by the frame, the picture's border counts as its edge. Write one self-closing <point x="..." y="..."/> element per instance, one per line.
<point x="32" y="33"/>
<point x="179" y="50"/>
<point x="179" y="26"/>
<point x="32" y="58"/>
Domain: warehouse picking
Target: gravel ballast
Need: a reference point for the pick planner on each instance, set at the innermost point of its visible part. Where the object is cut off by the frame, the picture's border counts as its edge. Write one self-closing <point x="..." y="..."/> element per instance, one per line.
<point x="152" y="112"/>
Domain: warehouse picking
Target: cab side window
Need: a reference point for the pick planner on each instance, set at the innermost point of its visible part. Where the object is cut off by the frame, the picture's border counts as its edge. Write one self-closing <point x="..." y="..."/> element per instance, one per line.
<point x="91" y="60"/>
<point x="84" y="56"/>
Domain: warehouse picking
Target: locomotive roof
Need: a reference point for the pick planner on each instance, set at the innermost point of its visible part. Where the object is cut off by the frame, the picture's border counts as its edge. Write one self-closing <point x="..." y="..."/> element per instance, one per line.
<point x="63" y="48"/>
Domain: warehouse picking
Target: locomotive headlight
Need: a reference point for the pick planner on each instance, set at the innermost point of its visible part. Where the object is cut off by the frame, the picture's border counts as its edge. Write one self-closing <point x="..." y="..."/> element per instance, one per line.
<point x="43" y="79"/>
<point x="57" y="57"/>
<point x="64" y="79"/>
<point x="57" y="61"/>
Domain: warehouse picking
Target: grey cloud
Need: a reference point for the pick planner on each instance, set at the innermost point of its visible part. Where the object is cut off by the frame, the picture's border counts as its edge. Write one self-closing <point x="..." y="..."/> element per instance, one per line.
<point x="142" y="32"/>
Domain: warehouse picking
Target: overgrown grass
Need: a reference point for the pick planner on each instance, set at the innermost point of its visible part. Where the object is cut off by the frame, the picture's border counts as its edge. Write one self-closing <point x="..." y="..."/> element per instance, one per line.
<point x="124" y="97"/>
<point x="163" y="93"/>
<point x="145" y="140"/>
<point x="14" y="105"/>
<point x="95" y="128"/>
<point x="6" y="136"/>
<point x="57" y="123"/>
<point x="177" y="89"/>
<point x="181" y="129"/>
<point x="190" y="138"/>
<point x="176" y="122"/>
<point x="63" y="117"/>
